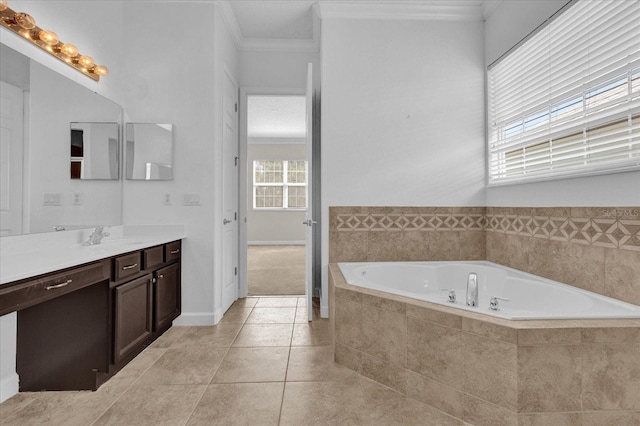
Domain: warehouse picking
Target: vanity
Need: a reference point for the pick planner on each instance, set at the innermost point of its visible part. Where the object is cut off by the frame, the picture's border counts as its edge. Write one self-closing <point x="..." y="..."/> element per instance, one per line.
<point x="95" y="308"/>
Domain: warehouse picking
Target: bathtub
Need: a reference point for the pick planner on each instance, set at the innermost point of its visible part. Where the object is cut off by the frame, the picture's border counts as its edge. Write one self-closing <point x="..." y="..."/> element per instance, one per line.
<point x="529" y="297"/>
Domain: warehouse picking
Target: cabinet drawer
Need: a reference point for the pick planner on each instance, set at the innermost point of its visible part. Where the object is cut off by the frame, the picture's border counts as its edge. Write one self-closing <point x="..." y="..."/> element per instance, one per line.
<point x="153" y="257"/>
<point x="38" y="290"/>
<point x="172" y="251"/>
<point x="126" y="266"/>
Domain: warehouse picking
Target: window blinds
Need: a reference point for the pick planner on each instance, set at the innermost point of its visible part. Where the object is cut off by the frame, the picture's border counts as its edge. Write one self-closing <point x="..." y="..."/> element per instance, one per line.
<point x="566" y="102"/>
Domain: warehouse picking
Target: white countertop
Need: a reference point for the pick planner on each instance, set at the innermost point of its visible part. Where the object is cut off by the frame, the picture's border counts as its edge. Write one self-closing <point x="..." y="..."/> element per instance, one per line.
<point x="26" y="256"/>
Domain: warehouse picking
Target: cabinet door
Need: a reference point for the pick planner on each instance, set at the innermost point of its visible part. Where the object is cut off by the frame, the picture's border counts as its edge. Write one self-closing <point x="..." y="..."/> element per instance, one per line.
<point x="133" y="320"/>
<point x="167" y="295"/>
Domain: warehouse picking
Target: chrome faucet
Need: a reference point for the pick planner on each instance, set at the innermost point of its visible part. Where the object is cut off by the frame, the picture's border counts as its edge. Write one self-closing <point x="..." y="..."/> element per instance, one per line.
<point x="472" y="289"/>
<point x="96" y="237"/>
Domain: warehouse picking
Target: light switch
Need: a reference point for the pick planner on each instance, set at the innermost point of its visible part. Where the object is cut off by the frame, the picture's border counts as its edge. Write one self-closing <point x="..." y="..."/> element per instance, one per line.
<point x="52" y="199"/>
<point x="192" y="199"/>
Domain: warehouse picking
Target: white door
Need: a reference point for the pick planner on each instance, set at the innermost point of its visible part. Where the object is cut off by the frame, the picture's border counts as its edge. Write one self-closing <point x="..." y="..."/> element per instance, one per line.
<point x="309" y="222"/>
<point x="11" y="153"/>
<point x="230" y="193"/>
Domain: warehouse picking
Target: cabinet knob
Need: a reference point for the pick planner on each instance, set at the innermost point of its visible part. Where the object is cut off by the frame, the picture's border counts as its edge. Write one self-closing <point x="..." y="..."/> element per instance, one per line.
<point x="161" y="276"/>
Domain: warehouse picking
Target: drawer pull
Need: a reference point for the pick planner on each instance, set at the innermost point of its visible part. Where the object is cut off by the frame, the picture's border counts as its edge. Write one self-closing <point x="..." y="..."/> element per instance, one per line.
<point x="176" y="251"/>
<point x="53" y="287"/>
<point x="124" y="268"/>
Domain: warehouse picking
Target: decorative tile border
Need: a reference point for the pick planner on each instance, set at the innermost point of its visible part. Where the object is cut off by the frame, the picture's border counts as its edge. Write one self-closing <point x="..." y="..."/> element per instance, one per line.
<point x="410" y="222"/>
<point x="610" y="232"/>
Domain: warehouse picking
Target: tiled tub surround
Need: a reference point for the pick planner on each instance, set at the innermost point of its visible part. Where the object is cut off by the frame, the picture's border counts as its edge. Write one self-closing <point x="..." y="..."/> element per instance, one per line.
<point x="594" y="248"/>
<point x="489" y="371"/>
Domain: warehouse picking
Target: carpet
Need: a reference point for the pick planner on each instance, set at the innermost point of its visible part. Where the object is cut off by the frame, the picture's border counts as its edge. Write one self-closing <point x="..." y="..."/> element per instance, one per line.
<point x="276" y="270"/>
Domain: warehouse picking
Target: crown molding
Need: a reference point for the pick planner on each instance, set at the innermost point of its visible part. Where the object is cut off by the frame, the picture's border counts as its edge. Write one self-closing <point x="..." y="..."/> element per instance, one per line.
<point x="400" y="10"/>
<point x="265" y="44"/>
<point x="489" y="6"/>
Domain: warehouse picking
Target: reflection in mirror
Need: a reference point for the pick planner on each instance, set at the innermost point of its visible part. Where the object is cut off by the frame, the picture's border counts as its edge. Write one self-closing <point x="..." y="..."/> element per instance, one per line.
<point x="149" y="151"/>
<point x="36" y="192"/>
<point x="94" y="151"/>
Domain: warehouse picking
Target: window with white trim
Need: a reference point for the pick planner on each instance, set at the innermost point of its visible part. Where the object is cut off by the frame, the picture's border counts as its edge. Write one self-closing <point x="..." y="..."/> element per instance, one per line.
<point x="279" y="184"/>
<point x="566" y="102"/>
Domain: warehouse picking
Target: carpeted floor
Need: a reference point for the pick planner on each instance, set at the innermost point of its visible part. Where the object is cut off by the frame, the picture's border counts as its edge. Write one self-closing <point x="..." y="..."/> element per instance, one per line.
<point x="276" y="270"/>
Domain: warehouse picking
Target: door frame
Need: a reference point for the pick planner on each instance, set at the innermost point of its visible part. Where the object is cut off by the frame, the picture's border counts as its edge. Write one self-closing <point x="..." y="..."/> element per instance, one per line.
<point x="243" y="170"/>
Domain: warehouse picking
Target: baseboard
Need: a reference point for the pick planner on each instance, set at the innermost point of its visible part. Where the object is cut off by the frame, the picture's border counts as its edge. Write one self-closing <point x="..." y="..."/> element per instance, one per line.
<point x="324" y="311"/>
<point x="197" y="318"/>
<point x="9" y="386"/>
<point x="275" y="243"/>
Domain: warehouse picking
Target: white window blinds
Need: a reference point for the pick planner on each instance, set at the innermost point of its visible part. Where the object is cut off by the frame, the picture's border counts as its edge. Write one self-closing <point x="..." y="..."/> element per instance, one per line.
<point x="566" y="102"/>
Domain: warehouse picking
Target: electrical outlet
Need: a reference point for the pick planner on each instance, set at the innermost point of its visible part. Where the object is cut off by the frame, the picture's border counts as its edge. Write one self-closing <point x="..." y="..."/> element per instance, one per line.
<point x="78" y="198"/>
<point x="167" y="199"/>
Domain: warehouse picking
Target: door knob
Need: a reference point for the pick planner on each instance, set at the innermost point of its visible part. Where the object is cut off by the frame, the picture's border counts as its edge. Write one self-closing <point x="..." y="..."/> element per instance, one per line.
<point x="225" y="221"/>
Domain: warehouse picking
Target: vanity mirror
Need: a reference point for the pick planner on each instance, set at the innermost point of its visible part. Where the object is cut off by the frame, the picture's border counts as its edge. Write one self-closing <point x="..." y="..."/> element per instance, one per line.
<point x="94" y="151"/>
<point x="149" y="151"/>
<point x="37" y="193"/>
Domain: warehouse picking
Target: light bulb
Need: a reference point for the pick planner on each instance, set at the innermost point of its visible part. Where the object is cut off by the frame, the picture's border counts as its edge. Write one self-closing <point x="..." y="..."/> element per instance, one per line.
<point x="100" y="70"/>
<point x="48" y="37"/>
<point x="24" y="20"/>
<point x="85" y="61"/>
<point x="69" y="50"/>
<point x="3" y="5"/>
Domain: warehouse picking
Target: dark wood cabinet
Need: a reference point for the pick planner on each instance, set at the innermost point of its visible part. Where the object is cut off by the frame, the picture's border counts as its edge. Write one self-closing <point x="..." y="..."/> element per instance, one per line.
<point x="166" y="293"/>
<point x="79" y="326"/>
<point x="133" y="312"/>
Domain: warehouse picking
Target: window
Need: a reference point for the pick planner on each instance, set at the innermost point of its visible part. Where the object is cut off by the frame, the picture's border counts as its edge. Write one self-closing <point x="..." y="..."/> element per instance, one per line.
<point x="280" y="184"/>
<point x="566" y="102"/>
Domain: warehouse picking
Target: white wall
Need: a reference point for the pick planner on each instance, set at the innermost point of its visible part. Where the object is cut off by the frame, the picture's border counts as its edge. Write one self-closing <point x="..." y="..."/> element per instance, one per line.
<point x="507" y="25"/>
<point x="277" y="69"/>
<point x="273" y="226"/>
<point x="402" y="115"/>
<point x="174" y="76"/>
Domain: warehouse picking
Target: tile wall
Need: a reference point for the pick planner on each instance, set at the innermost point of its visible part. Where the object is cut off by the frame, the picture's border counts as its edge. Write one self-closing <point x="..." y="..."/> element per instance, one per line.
<point x="595" y="248"/>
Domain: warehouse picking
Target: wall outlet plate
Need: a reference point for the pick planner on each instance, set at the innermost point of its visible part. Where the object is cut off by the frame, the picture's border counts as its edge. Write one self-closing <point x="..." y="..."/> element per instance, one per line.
<point x="52" y="199"/>
<point x="167" y="199"/>
<point x="192" y="199"/>
<point x="78" y="198"/>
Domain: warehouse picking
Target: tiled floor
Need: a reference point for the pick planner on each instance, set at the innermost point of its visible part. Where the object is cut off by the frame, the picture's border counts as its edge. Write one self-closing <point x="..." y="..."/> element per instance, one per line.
<point x="264" y="364"/>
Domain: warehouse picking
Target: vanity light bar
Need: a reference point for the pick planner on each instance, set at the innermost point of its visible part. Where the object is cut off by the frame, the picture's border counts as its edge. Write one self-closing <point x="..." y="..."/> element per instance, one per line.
<point x="25" y="26"/>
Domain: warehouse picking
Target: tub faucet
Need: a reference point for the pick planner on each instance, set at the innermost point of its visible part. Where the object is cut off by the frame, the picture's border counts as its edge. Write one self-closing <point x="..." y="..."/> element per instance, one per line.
<point x="96" y="237"/>
<point x="472" y="289"/>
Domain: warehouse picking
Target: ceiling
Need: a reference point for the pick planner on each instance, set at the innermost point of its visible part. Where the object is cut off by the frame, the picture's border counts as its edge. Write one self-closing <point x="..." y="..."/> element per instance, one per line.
<point x="292" y="24"/>
<point x="276" y="117"/>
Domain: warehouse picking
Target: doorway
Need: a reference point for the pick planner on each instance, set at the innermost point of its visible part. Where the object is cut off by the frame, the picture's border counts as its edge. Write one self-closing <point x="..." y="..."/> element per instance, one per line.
<point x="277" y="194"/>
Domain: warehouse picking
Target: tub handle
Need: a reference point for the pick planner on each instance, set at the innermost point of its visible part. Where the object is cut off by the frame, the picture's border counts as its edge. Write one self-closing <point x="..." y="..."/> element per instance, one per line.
<point x="494" y="305"/>
<point x="452" y="294"/>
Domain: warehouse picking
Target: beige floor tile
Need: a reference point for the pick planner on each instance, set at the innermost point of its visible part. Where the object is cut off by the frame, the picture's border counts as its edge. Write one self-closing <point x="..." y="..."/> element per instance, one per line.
<point x="315" y="363"/>
<point x="302" y="302"/>
<point x="169" y="337"/>
<point x="277" y="302"/>
<point x="235" y="315"/>
<point x="79" y="408"/>
<point x="153" y="405"/>
<point x="124" y="378"/>
<point x="264" y="335"/>
<point x="315" y="333"/>
<point x="247" y="302"/>
<point x="301" y="315"/>
<point x="11" y="407"/>
<point x="239" y="404"/>
<point x="322" y="403"/>
<point x="243" y="365"/>
<point x="272" y="316"/>
<point x="184" y="366"/>
<point x="221" y="336"/>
